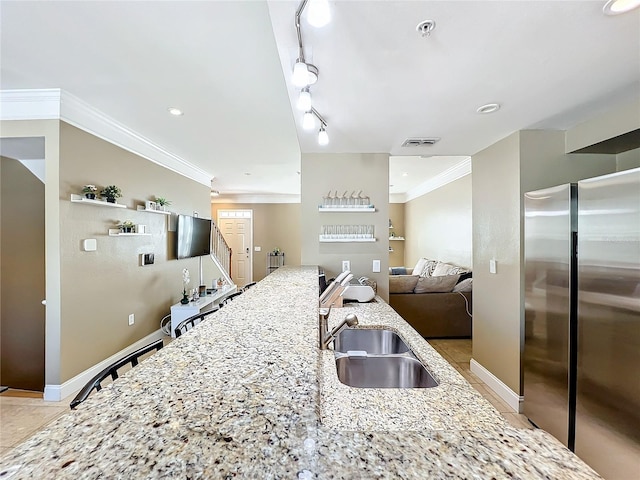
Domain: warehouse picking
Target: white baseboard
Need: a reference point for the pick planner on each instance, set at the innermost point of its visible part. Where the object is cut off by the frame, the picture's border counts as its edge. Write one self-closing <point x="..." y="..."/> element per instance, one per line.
<point x="55" y="393"/>
<point x="511" y="398"/>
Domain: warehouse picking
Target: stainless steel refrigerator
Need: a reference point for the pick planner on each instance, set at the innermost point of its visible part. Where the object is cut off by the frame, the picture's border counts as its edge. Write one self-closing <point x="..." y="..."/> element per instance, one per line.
<point x="581" y="360"/>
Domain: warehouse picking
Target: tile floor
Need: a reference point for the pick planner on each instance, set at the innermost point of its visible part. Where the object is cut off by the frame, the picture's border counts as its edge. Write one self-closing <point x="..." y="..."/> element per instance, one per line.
<point x="24" y="413"/>
<point x="458" y="353"/>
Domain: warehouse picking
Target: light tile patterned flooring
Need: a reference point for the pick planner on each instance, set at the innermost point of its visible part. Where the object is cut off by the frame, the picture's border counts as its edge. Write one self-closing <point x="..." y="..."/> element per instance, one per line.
<point x="458" y="353"/>
<point x="24" y="413"/>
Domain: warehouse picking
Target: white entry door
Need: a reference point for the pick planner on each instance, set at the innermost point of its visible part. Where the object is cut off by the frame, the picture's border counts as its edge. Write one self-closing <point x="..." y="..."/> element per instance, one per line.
<point x="237" y="229"/>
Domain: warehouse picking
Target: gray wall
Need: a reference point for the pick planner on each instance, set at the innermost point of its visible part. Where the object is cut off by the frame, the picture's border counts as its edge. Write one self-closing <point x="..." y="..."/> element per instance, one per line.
<point x="90" y="294"/>
<point x="438" y="225"/>
<point x="100" y="289"/>
<point x="274" y="225"/>
<point x="502" y="173"/>
<point x="23" y="277"/>
<point x="627" y="160"/>
<point x="368" y="172"/>
<point x="396" y="215"/>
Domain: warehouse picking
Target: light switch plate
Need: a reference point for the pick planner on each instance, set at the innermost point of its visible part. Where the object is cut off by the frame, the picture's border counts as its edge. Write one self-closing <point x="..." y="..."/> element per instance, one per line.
<point x="257" y="249"/>
<point x="346" y="265"/>
<point x="493" y="266"/>
<point x="90" y="244"/>
<point x="376" y="266"/>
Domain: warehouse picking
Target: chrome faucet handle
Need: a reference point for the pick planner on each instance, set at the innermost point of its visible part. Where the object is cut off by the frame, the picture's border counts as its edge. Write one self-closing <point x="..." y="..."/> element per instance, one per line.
<point x="325" y="312"/>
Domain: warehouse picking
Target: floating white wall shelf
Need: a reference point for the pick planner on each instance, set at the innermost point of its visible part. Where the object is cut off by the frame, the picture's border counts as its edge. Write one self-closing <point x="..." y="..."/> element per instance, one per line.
<point x="325" y="239"/>
<point x="142" y="208"/>
<point x="369" y="209"/>
<point x="115" y="232"/>
<point x="101" y="203"/>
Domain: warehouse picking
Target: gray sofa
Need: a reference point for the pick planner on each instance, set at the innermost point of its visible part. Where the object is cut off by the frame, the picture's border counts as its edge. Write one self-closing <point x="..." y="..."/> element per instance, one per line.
<point x="436" y="306"/>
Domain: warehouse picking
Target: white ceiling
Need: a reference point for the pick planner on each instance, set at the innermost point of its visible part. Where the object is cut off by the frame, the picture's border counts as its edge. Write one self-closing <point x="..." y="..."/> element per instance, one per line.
<point x="550" y="64"/>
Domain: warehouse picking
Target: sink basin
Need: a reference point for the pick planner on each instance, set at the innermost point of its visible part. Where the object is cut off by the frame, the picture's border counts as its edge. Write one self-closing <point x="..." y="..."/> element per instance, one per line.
<point x="373" y="341"/>
<point x="383" y="372"/>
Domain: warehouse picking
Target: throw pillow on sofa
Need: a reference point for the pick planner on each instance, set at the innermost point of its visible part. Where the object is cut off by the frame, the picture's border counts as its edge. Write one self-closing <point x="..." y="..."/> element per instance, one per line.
<point x="464" y="286"/>
<point x="440" y="284"/>
<point x="447" y="269"/>
<point x="397" y="271"/>
<point x="402" y="283"/>
<point x="428" y="269"/>
<point x="417" y="270"/>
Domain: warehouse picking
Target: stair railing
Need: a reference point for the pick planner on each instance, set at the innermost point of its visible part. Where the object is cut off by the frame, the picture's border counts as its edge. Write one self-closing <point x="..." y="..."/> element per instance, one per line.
<point x="221" y="253"/>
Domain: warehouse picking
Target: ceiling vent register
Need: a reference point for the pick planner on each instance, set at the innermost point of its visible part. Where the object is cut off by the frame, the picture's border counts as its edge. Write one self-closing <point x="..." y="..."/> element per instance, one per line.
<point x="419" y="142"/>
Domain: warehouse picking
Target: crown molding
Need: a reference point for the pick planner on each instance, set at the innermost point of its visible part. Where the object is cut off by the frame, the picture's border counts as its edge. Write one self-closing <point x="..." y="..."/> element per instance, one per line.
<point x="36" y="104"/>
<point x="57" y="104"/>
<point x="253" y="198"/>
<point x="459" y="170"/>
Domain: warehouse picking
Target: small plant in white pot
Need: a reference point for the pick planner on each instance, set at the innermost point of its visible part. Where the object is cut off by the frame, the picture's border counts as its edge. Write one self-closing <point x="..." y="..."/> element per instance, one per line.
<point x="90" y="191"/>
<point x="126" y="226"/>
<point x="162" y="203"/>
<point x="111" y="192"/>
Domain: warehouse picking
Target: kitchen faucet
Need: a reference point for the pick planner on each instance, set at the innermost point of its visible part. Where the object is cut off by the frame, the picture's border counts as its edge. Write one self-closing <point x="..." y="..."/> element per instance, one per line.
<point x="324" y="335"/>
<point x="333" y="293"/>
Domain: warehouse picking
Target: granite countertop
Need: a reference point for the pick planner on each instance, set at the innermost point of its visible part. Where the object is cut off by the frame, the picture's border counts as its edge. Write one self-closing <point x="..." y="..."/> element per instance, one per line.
<point x="248" y="394"/>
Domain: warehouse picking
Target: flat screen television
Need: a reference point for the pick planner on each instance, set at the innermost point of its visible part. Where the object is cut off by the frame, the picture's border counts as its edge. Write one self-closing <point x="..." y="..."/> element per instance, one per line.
<point x="193" y="236"/>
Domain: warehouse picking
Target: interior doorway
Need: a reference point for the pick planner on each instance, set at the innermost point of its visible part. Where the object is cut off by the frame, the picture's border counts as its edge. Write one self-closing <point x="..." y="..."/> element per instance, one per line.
<point x="237" y="228"/>
<point x="22" y="251"/>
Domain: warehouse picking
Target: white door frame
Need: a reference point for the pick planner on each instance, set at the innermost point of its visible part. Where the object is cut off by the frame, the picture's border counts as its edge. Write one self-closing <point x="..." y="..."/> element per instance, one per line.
<point x="246" y="214"/>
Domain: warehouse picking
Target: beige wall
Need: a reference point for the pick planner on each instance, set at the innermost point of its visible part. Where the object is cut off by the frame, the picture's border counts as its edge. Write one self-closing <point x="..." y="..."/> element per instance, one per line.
<point x="23" y="277"/>
<point x="439" y="225"/>
<point x="100" y="289"/>
<point x="50" y="131"/>
<point x="366" y="172"/>
<point x="621" y="118"/>
<point x="627" y="160"/>
<point x="502" y="173"/>
<point x="274" y="225"/>
<point x="396" y="215"/>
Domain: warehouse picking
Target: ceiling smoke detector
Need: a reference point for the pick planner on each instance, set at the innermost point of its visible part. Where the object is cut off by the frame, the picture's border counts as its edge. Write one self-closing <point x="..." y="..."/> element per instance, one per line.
<point x="425" y="28"/>
<point x="419" y="142"/>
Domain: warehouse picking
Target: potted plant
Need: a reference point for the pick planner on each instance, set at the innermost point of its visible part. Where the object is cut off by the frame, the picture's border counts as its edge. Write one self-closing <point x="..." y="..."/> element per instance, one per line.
<point x="111" y="192"/>
<point x="126" y="226"/>
<point x="90" y="191"/>
<point x="162" y="203"/>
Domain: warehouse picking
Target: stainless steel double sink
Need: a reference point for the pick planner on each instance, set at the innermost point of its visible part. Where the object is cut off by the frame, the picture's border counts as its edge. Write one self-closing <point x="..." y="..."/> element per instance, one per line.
<point x="378" y="358"/>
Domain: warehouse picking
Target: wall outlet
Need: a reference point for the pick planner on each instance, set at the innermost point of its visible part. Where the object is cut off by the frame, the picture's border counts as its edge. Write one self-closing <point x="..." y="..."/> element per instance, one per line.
<point x="132" y="319"/>
<point x="346" y="265"/>
<point x="376" y="266"/>
<point x="257" y="249"/>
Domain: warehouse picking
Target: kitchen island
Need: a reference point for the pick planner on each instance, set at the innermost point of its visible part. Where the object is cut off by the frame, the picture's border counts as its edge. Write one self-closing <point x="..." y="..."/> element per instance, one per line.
<point x="248" y="394"/>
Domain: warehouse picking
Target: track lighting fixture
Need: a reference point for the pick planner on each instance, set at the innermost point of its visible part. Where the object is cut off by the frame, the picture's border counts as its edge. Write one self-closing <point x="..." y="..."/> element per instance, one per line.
<point x="304" y="100"/>
<point x="323" y="136"/>
<point x="318" y="14"/>
<point x="308" y="122"/>
<point x="305" y="74"/>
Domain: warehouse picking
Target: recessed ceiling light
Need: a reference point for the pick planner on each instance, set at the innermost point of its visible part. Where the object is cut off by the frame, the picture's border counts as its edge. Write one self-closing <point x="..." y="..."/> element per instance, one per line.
<point x="489" y="108"/>
<point x="405" y="174"/>
<point x="175" y="111"/>
<point x="616" y="7"/>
